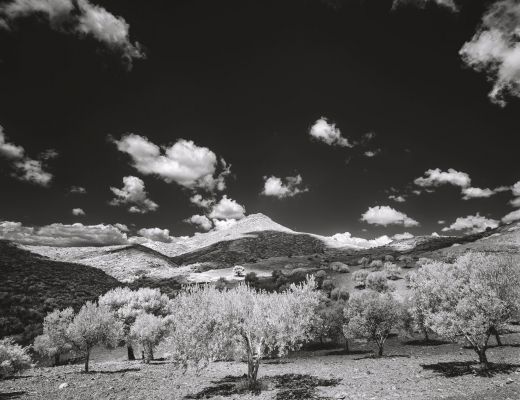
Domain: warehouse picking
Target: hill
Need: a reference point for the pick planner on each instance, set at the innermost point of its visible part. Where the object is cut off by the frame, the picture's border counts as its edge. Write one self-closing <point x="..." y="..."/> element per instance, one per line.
<point x="125" y="263"/>
<point x="32" y="285"/>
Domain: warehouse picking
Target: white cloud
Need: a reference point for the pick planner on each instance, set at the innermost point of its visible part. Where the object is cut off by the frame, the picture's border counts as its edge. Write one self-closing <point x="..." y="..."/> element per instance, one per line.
<point x="122" y="227"/>
<point x="221" y="224"/>
<point x="372" y="153"/>
<point x="78" y="17"/>
<point x="156" y="234"/>
<point x="274" y="186"/>
<point x="327" y="132"/>
<point x="436" y="177"/>
<point x="472" y="224"/>
<point x="201" y="202"/>
<point x="385" y="215"/>
<point x="511" y="217"/>
<point x="63" y="235"/>
<point x="78" y="189"/>
<point x="495" y="49"/>
<point x="516" y="189"/>
<point x="346" y="239"/>
<point x="450" y="4"/>
<point x="227" y="209"/>
<point x="515" y="202"/>
<point x="78" y="211"/>
<point x="184" y="162"/>
<point x="476" y="193"/>
<point x="25" y="168"/>
<point x="441" y="222"/>
<point x="397" y="198"/>
<point x="201" y="221"/>
<point x="435" y="234"/>
<point x="133" y="194"/>
<point x="403" y="236"/>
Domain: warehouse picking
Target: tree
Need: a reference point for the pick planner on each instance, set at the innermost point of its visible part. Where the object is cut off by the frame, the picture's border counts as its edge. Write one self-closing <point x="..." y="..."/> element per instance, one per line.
<point x="339" y="267"/>
<point x="360" y="278"/>
<point x="251" y="278"/>
<point x="331" y="319"/>
<point x="364" y="261"/>
<point x="376" y="264"/>
<point x="127" y="304"/>
<point x="148" y="330"/>
<point x="93" y="325"/>
<point x="209" y="324"/>
<point x="238" y="270"/>
<point x="469" y="299"/>
<point x="393" y="272"/>
<point x="54" y="341"/>
<point x="377" y="281"/>
<point x="372" y="316"/>
<point x="13" y="358"/>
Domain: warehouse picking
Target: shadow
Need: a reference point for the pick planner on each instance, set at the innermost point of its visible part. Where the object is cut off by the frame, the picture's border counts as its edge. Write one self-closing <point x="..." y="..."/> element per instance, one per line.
<point x="276" y="361"/>
<point x="227" y="386"/>
<point x="424" y="342"/>
<point x="460" y="368"/>
<point x="11" y="395"/>
<point x="376" y="357"/>
<point x="347" y="353"/>
<point x="118" y="371"/>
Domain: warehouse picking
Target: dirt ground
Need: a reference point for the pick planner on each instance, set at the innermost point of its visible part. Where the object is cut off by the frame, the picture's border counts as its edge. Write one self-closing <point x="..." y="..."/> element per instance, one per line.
<point x="409" y="370"/>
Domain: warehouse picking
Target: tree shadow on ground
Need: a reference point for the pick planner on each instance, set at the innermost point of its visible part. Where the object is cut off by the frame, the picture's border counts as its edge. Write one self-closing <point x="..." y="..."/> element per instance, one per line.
<point x="347" y="353"/>
<point x="423" y="342"/>
<point x="11" y="395"/>
<point x="460" y="368"/>
<point x="94" y="372"/>
<point x="290" y="387"/>
<point x="374" y="356"/>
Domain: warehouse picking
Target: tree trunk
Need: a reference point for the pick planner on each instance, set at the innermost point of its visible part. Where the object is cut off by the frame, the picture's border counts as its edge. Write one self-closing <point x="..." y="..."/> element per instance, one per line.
<point x="148" y="354"/>
<point x="347" y="350"/>
<point x="426" y="336"/>
<point x="56" y="359"/>
<point x="130" y="352"/>
<point x="380" y="350"/>
<point x="252" y="370"/>
<point x="484" y="364"/>
<point x="495" y="332"/>
<point x="87" y="357"/>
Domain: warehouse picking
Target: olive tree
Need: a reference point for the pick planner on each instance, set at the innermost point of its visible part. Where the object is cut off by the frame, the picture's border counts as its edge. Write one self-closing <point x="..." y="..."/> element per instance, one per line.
<point x="13" y="358"/>
<point x="371" y="315"/>
<point x="148" y="330"/>
<point x="128" y="304"/>
<point x="93" y="325"/>
<point x="470" y="299"/>
<point x="54" y="341"/>
<point x="377" y="281"/>
<point x="210" y="324"/>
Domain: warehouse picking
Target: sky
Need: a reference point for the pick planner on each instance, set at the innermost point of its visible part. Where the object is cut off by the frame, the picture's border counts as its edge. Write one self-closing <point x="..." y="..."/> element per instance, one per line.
<point x="159" y="118"/>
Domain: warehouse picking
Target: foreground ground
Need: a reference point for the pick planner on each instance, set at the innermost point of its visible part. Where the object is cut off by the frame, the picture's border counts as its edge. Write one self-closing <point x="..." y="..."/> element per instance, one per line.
<point x="409" y="371"/>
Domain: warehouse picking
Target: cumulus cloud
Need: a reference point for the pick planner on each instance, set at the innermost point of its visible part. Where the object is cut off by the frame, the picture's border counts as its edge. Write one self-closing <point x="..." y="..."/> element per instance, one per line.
<point x="472" y="224"/>
<point x="183" y="162"/>
<point x="79" y="17"/>
<point x="495" y="49"/>
<point x="221" y="224"/>
<point x="397" y="198"/>
<point x="201" y="202"/>
<point x="450" y="4"/>
<point x="227" y="208"/>
<point x="122" y="227"/>
<point x="25" y="168"/>
<point x="134" y="195"/>
<point x="78" y="189"/>
<point x="436" y="177"/>
<point x="326" y="132"/>
<point x="346" y="239"/>
<point x="385" y="215"/>
<point x="156" y="234"/>
<point x="403" y="236"/>
<point x="515" y="189"/>
<point x="62" y="235"/>
<point x="201" y="221"/>
<point x="372" y="153"/>
<point x="275" y="187"/>
<point x="511" y="217"/>
<point x="476" y="193"/>
<point x="78" y="211"/>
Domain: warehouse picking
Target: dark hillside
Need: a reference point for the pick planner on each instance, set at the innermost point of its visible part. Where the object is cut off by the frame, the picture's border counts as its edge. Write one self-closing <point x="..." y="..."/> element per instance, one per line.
<point x="32" y="285"/>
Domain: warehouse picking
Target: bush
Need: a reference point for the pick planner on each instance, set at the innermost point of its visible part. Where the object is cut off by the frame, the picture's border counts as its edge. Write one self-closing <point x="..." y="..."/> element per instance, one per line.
<point x="377" y="281"/>
<point x="372" y="316"/>
<point x="148" y="330"/>
<point x="221" y="284"/>
<point x="251" y="278"/>
<point x="376" y="264"/>
<point x="393" y="272"/>
<point x="339" y="294"/>
<point x="389" y="258"/>
<point x="238" y="270"/>
<point x="339" y="267"/>
<point x="364" y="261"/>
<point x="13" y="358"/>
<point x="327" y="286"/>
<point x="360" y="278"/>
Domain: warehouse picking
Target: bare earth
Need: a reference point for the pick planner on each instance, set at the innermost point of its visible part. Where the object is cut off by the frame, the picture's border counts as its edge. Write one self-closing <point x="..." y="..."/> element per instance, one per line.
<point x="407" y="372"/>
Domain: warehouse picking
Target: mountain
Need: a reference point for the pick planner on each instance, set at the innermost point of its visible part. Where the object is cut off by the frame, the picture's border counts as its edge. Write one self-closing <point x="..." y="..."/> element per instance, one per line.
<point x="125" y="263"/>
<point x="32" y="285"/>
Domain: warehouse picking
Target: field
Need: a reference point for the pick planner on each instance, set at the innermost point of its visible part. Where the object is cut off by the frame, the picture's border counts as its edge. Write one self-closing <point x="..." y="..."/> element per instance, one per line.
<point x="409" y="370"/>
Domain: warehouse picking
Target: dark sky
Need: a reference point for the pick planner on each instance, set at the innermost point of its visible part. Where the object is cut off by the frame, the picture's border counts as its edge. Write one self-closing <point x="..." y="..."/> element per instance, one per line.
<point x="247" y="79"/>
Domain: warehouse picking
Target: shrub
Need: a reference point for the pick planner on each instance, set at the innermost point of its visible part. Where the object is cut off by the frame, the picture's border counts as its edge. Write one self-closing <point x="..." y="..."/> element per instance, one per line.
<point x="54" y="341"/>
<point x="376" y="264"/>
<point x="377" y="281"/>
<point x="393" y="272"/>
<point x="320" y="277"/>
<point x="360" y="278"/>
<point x="208" y="324"/>
<point x="221" y="284"/>
<point x="331" y="320"/>
<point x="371" y="315"/>
<point x="13" y="358"/>
<point x="389" y="258"/>
<point x="469" y="300"/>
<point x="148" y="330"/>
<point x="251" y="278"/>
<point x="94" y="325"/>
<point x="364" y="261"/>
<point x="339" y="267"/>
<point x="238" y="270"/>
<point x="327" y="286"/>
<point x="339" y="294"/>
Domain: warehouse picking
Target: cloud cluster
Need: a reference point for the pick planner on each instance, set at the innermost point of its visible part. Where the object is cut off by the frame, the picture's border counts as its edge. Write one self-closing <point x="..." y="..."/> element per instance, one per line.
<point x="201" y="221"/>
<point x="511" y="217"/>
<point x="219" y="215"/>
<point x="397" y="198"/>
<point x="134" y="195"/>
<point x="403" y="236"/>
<point x="450" y="4"/>
<point x="184" y="162"/>
<point x="25" y="168"/>
<point x="385" y="215"/>
<point x="472" y="224"/>
<point x="62" y="235"/>
<point x="495" y="49"/>
<point x="78" y="212"/>
<point x="516" y="192"/>
<point x="156" y="234"/>
<point x="346" y="239"/>
<point x="78" y="190"/>
<point x="275" y="187"/>
<point x="326" y="132"/>
<point x="227" y="208"/>
<point x="79" y="17"/>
